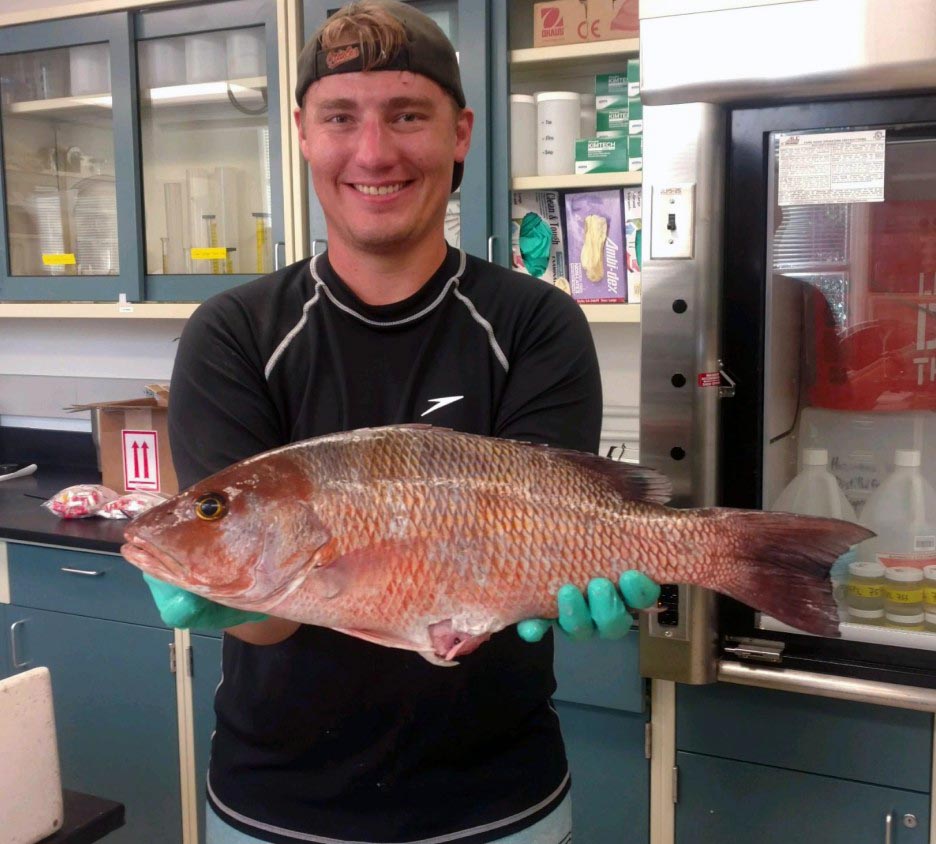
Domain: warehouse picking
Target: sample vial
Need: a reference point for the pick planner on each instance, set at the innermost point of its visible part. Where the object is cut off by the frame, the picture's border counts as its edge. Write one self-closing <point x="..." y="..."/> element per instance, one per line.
<point x="903" y="597"/>
<point x="864" y="588"/>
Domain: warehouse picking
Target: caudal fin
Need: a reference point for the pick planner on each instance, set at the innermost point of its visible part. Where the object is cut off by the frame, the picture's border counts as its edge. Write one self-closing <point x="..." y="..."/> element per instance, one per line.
<point x="783" y="564"/>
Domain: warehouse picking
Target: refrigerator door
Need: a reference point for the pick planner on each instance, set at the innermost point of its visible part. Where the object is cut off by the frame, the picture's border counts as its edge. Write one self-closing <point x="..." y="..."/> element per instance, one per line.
<point x="831" y="281"/>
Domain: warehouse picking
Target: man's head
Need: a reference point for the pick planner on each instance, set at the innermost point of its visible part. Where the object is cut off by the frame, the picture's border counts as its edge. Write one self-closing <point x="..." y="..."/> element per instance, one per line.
<point x="372" y="35"/>
<point x="383" y="126"/>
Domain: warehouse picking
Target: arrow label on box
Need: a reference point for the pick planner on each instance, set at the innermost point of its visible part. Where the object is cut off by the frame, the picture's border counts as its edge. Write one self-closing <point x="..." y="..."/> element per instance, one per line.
<point x="141" y="460"/>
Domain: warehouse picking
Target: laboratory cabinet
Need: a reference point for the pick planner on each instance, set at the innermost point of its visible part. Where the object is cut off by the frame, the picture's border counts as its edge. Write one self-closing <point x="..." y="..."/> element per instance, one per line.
<point x="114" y="690"/>
<point x="142" y="154"/>
<point x="205" y="665"/>
<point x="780" y="766"/>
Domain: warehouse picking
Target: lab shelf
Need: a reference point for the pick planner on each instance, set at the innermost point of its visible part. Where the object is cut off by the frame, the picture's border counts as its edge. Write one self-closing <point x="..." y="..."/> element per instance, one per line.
<point x="573" y="182"/>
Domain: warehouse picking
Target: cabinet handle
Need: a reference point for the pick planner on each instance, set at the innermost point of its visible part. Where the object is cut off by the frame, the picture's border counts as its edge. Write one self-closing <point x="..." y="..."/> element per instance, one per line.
<point x="14" y="651"/>
<point x="318" y="240"/>
<point x="85" y="572"/>
<point x="491" y="240"/>
<point x="889" y="828"/>
<point x="276" y="253"/>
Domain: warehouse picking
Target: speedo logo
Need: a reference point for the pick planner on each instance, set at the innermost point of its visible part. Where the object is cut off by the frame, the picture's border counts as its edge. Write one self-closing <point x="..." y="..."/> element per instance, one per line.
<point x="342" y="55"/>
<point x="444" y="401"/>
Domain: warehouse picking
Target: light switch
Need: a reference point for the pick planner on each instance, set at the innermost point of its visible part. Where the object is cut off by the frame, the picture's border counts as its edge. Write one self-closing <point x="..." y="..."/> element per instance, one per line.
<point x="672" y="221"/>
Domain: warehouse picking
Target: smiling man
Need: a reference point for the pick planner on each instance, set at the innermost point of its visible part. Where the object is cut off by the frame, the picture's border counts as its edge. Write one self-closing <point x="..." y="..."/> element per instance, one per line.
<point x="322" y="737"/>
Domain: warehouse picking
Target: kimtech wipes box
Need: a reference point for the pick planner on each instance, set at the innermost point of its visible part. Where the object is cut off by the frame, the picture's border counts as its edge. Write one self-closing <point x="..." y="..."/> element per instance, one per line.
<point x="601" y="155"/>
<point x="595" y="233"/>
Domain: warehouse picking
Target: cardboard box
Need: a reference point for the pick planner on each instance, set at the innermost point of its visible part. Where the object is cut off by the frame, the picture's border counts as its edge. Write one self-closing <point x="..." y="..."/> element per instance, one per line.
<point x="546" y="205"/>
<point x="595" y="232"/>
<point x="633" y="77"/>
<point x="611" y="123"/>
<point x="634" y="152"/>
<point x="601" y="155"/>
<point x="633" y="237"/>
<point x="608" y="19"/>
<point x="132" y="437"/>
<point x="559" y="22"/>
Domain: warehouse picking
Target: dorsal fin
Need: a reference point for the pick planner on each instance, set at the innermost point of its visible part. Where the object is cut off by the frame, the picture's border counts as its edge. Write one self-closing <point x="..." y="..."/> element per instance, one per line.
<point x="633" y="482"/>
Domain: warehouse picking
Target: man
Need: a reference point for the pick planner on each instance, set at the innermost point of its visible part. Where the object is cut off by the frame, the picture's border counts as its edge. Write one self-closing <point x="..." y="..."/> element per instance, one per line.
<point x="322" y="737"/>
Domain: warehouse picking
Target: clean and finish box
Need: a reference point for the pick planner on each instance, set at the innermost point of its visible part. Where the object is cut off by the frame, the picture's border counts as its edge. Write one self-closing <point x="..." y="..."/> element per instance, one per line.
<point x="601" y="155"/>
<point x="559" y="22"/>
<point x="538" y="210"/>
<point x="595" y="233"/>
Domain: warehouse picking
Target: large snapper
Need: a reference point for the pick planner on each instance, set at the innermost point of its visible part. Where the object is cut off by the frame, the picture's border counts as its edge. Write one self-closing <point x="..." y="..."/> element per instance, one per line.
<point x="426" y="539"/>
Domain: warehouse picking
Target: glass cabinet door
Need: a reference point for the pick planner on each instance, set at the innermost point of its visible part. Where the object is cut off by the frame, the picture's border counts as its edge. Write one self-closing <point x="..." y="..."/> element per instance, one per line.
<point x="465" y="23"/>
<point x="61" y="214"/>
<point x="210" y="141"/>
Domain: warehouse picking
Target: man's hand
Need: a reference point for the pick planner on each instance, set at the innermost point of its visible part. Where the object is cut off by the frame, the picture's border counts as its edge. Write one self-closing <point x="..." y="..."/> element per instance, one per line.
<point x="179" y="608"/>
<point x="605" y="612"/>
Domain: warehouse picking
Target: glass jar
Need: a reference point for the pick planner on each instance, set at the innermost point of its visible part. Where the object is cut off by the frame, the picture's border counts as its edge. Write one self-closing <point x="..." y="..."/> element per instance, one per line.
<point x="929" y="589"/>
<point x="864" y="588"/>
<point x="929" y="622"/>
<point x="903" y="597"/>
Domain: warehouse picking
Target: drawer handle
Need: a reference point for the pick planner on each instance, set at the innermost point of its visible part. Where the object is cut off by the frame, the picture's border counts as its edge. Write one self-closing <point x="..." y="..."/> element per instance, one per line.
<point x="85" y="572"/>
<point x="14" y="651"/>
<point x="889" y="828"/>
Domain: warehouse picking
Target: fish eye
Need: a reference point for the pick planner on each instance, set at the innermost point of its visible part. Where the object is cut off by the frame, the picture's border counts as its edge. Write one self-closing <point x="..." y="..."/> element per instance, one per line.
<point x="211" y="506"/>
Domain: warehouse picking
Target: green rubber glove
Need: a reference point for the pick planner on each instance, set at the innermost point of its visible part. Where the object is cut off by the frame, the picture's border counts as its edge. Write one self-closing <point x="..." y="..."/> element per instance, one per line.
<point x="534" y="240"/>
<point x="605" y="612"/>
<point x="179" y="608"/>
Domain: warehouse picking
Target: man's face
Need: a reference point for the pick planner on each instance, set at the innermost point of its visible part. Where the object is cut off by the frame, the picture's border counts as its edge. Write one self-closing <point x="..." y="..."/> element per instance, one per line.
<point x="381" y="146"/>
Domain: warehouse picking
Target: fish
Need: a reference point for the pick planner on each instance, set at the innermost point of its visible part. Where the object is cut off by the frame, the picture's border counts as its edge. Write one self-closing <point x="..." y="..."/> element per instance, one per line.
<point x="432" y="540"/>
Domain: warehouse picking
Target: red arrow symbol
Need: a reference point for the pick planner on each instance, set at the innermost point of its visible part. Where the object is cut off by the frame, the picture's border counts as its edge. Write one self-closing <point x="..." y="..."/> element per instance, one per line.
<point x="145" y="448"/>
<point x="136" y="460"/>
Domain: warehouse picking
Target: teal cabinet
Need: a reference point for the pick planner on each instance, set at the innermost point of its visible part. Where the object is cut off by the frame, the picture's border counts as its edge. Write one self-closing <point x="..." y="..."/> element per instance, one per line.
<point x="115" y="713"/>
<point x="767" y="766"/>
<point x="724" y="800"/>
<point x="88" y="618"/>
<point x="206" y="675"/>
<point x="601" y="701"/>
<point x="141" y="153"/>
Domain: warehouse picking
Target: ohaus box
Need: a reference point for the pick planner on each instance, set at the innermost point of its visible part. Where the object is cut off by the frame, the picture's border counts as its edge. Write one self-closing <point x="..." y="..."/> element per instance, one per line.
<point x="608" y="19"/>
<point x="132" y="436"/>
<point x="559" y="22"/>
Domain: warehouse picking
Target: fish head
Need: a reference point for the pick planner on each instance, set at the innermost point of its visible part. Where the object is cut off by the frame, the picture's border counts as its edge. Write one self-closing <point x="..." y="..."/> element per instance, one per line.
<point x="245" y="537"/>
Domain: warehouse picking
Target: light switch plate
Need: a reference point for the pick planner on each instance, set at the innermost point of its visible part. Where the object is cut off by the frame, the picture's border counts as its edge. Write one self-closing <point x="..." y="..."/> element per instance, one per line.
<point x="672" y="221"/>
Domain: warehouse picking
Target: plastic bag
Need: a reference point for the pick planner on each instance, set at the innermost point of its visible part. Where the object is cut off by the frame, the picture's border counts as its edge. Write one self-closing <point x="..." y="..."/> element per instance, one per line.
<point x="130" y="505"/>
<point x="80" y="501"/>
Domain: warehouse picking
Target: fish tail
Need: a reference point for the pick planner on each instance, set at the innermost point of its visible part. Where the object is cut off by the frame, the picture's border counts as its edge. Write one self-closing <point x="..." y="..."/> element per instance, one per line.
<point x="783" y="564"/>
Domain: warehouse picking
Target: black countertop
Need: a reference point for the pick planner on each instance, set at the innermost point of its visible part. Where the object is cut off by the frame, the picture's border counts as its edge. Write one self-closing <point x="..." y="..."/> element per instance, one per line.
<point x="23" y="518"/>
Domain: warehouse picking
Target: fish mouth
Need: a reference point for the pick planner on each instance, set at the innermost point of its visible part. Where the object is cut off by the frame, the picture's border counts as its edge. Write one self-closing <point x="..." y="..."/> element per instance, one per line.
<point x="147" y="557"/>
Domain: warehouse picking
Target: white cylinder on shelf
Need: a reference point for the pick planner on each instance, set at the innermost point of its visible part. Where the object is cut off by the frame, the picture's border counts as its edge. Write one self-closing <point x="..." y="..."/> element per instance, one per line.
<point x="90" y="69"/>
<point x="587" y="121"/>
<point x="205" y="57"/>
<point x="245" y="53"/>
<point x="162" y="62"/>
<point x="558" y="121"/>
<point x="522" y="135"/>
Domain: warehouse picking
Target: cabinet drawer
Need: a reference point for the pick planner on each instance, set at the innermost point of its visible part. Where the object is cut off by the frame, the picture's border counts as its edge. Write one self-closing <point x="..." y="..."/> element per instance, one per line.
<point x="80" y="582"/>
<point x="856" y="741"/>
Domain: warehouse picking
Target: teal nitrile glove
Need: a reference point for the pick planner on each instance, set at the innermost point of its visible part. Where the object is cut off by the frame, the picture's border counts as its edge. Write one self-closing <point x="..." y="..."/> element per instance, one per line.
<point x="179" y="608"/>
<point x="534" y="240"/>
<point x="605" y="612"/>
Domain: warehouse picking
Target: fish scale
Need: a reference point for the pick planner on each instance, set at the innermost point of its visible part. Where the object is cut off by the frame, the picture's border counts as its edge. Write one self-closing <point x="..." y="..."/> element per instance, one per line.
<point x="431" y="540"/>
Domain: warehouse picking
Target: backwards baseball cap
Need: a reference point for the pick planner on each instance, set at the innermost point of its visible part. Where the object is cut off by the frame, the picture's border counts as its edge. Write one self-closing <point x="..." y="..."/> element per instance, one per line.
<point x="426" y="51"/>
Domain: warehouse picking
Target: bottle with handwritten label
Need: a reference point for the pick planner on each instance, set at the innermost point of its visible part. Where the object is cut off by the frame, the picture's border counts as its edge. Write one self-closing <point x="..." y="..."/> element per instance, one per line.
<point x="929" y="598"/>
<point x="902" y="512"/>
<point x="815" y="490"/>
<point x="903" y="597"/>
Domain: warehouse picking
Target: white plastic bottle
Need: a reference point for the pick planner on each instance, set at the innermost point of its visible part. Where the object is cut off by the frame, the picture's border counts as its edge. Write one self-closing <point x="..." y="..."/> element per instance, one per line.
<point x="815" y="490"/>
<point x="902" y="512"/>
